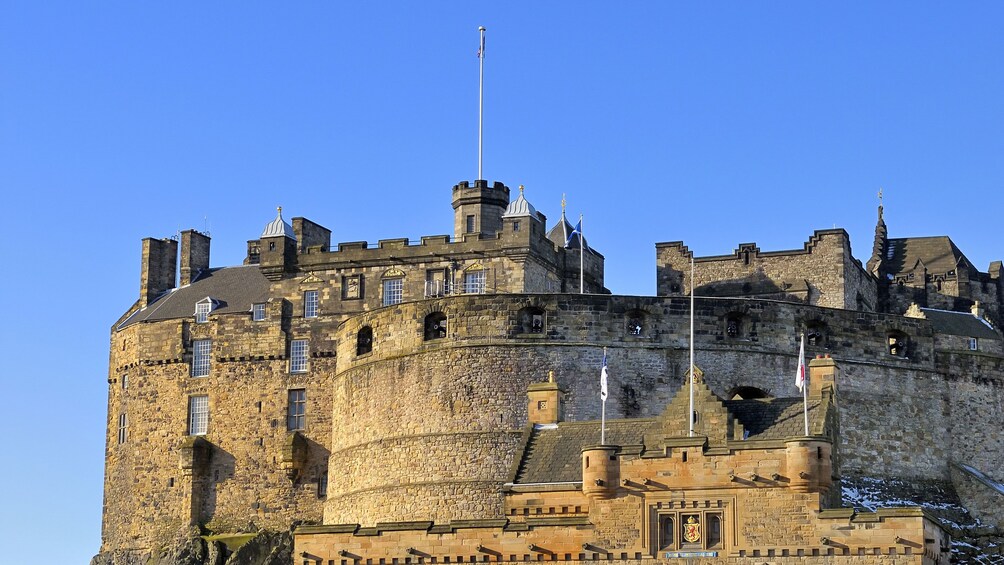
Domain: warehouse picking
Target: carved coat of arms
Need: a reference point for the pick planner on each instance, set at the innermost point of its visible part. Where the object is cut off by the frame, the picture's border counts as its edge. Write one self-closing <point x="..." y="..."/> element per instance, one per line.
<point x="692" y="530"/>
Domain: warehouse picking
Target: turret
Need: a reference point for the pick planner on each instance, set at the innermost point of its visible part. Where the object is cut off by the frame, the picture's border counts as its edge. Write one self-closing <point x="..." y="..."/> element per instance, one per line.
<point x="277" y="248"/>
<point x="160" y="261"/>
<point x="194" y="255"/>
<point x="601" y="471"/>
<point x="478" y="209"/>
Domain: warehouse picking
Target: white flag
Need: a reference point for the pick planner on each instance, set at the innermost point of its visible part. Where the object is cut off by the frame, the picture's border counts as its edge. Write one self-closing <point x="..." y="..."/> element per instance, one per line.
<point x="603" y="379"/>
<point x="800" y="373"/>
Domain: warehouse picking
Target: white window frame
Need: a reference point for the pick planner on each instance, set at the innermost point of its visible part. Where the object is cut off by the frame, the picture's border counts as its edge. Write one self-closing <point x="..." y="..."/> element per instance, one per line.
<point x="311" y="302"/>
<point x="474" y="282"/>
<point x="393" y="291"/>
<point x="123" y="428"/>
<point x="298" y="355"/>
<point x="125" y="381"/>
<point x="974" y="344"/>
<point x="202" y="310"/>
<point x="198" y="415"/>
<point x="296" y="409"/>
<point x="258" y="312"/>
<point x="202" y="354"/>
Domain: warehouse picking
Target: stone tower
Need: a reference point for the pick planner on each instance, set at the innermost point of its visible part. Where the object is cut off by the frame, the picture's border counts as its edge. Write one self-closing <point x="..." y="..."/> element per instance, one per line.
<point x="479" y="208"/>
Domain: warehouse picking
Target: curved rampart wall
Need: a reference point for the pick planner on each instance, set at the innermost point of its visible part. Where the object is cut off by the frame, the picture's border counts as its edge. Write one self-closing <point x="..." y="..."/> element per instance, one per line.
<point x="426" y="430"/>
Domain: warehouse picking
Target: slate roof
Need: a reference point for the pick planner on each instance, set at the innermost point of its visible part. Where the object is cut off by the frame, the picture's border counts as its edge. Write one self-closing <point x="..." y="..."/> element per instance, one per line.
<point x="938" y="254"/>
<point x="553" y="453"/>
<point x="559" y="234"/>
<point x="236" y="289"/>
<point x="959" y="323"/>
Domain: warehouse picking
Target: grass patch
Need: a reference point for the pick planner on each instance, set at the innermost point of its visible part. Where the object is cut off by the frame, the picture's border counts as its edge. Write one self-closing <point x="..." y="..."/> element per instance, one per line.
<point x="232" y="541"/>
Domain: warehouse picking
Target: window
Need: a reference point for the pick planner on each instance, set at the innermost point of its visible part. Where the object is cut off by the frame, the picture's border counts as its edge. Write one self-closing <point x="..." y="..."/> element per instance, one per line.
<point x="974" y="344"/>
<point x="298" y="356"/>
<point x="714" y="523"/>
<point x="474" y="282"/>
<point x="635" y="323"/>
<point x="202" y="310"/>
<point x="123" y="422"/>
<point x="734" y="326"/>
<point x="125" y="381"/>
<point x="364" y="341"/>
<point x="435" y="326"/>
<point x="898" y="343"/>
<point x="198" y="415"/>
<point x="436" y="283"/>
<point x="667" y="529"/>
<point x="258" y="312"/>
<point x="393" y="291"/>
<point x="531" y="320"/>
<point x="201" y="354"/>
<point x="470" y="224"/>
<point x="310" y="304"/>
<point x="322" y="484"/>
<point x="515" y="225"/>
<point x="296" y="409"/>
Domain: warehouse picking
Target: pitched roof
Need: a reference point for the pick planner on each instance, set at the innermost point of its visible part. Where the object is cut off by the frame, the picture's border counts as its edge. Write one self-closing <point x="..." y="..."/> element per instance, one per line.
<point x="959" y="323"/>
<point x="938" y="254"/>
<point x="553" y="453"/>
<point x="560" y="232"/>
<point x="235" y="289"/>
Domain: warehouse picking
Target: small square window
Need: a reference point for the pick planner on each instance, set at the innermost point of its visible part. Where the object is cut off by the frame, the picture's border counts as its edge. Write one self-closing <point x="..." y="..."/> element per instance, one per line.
<point x="202" y="310"/>
<point x="198" y="415"/>
<point x="974" y="344"/>
<point x="298" y="356"/>
<point x="296" y="409"/>
<point x="393" y="291"/>
<point x="201" y="355"/>
<point x="310" y="304"/>
<point x="123" y="423"/>
<point x="470" y="224"/>
<point x="258" y="312"/>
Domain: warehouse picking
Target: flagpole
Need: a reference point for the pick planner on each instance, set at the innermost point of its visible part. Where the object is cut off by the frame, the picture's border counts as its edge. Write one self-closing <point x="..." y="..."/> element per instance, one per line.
<point x="582" y="253"/>
<point x="805" y="384"/>
<point x="603" y="398"/>
<point x="690" y="372"/>
<point x="481" y="98"/>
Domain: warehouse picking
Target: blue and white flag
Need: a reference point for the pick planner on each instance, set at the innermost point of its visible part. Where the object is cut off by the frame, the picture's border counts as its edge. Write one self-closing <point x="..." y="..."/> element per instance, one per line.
<point x="603" y="379"/>
<point x="577" y="230"/>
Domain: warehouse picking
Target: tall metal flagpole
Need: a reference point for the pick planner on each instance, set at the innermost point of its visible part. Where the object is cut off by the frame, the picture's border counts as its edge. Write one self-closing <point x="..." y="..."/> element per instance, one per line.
<point x="603" y="398"/>
<point x="805" y="383"/>
<point x="690" y="372"/>
<point x="481" y="97"/>
<point x="582" y="258"/>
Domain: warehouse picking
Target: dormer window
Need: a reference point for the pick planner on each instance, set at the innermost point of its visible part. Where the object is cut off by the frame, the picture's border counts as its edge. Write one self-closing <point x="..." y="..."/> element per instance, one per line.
<point x="202" y="310"/>
<point x="258" y="312"/>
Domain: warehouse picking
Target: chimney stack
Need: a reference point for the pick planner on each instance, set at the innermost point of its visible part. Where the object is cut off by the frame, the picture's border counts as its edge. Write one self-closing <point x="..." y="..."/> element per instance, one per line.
<point x="160" y="261"/>
<point x="194" y="255"/>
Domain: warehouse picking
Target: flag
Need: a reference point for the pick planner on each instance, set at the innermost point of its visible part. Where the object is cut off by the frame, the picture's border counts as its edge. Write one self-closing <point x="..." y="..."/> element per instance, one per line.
<point x="603" y="379"/>
<point x="481" y="48"/>
<point x="800" y="373"/>
<point x="576" y="231"/>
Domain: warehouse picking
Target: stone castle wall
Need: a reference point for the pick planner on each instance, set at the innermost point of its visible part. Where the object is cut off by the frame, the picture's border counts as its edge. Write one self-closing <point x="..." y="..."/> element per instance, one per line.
<point x="450" y="408"/>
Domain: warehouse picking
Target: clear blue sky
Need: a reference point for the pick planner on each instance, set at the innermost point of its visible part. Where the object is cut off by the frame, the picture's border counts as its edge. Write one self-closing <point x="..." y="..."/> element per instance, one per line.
<point x="661" y="121"/>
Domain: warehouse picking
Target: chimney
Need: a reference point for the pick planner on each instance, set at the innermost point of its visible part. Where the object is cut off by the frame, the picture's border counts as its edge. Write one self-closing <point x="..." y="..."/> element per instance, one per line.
<point x="977" y="310"/>
<point x="194" y="255"/>
<point x="544" y="402"/>
<point x="823" y="373"/>
<point x="160" y="259"/>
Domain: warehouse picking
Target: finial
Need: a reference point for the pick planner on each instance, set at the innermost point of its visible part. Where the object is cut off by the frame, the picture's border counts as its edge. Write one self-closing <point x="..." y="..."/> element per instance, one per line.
<point x="521" y="189"/>
<point x="880" y="196"/>
<point x="563" y="203"/>
<point x="550" y="376"/>
<point x="279" y="209"/>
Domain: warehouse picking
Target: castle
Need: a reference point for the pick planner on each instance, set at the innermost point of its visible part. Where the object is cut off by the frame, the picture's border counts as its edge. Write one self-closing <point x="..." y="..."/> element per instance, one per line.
<point x="392" y="402"/>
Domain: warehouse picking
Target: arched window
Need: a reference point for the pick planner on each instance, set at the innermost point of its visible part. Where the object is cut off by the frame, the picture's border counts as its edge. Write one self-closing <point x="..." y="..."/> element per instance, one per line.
<point x="435" y="326"/>
<point x="734" y="326"/>
<point x="532" y="320"/>
<point x="747" y="393"/>
<point x="898" y="342"/>
<point x="667" y="529"/>
<point x="364" y="341"/>
<point x="636" y="323"/>
<point x="815" y="334"/>
<point x="714" y="530"/>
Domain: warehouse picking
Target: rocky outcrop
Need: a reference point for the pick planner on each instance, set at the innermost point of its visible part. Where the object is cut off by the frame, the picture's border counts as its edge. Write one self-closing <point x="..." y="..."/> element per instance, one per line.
<point x="265" y="548"/>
